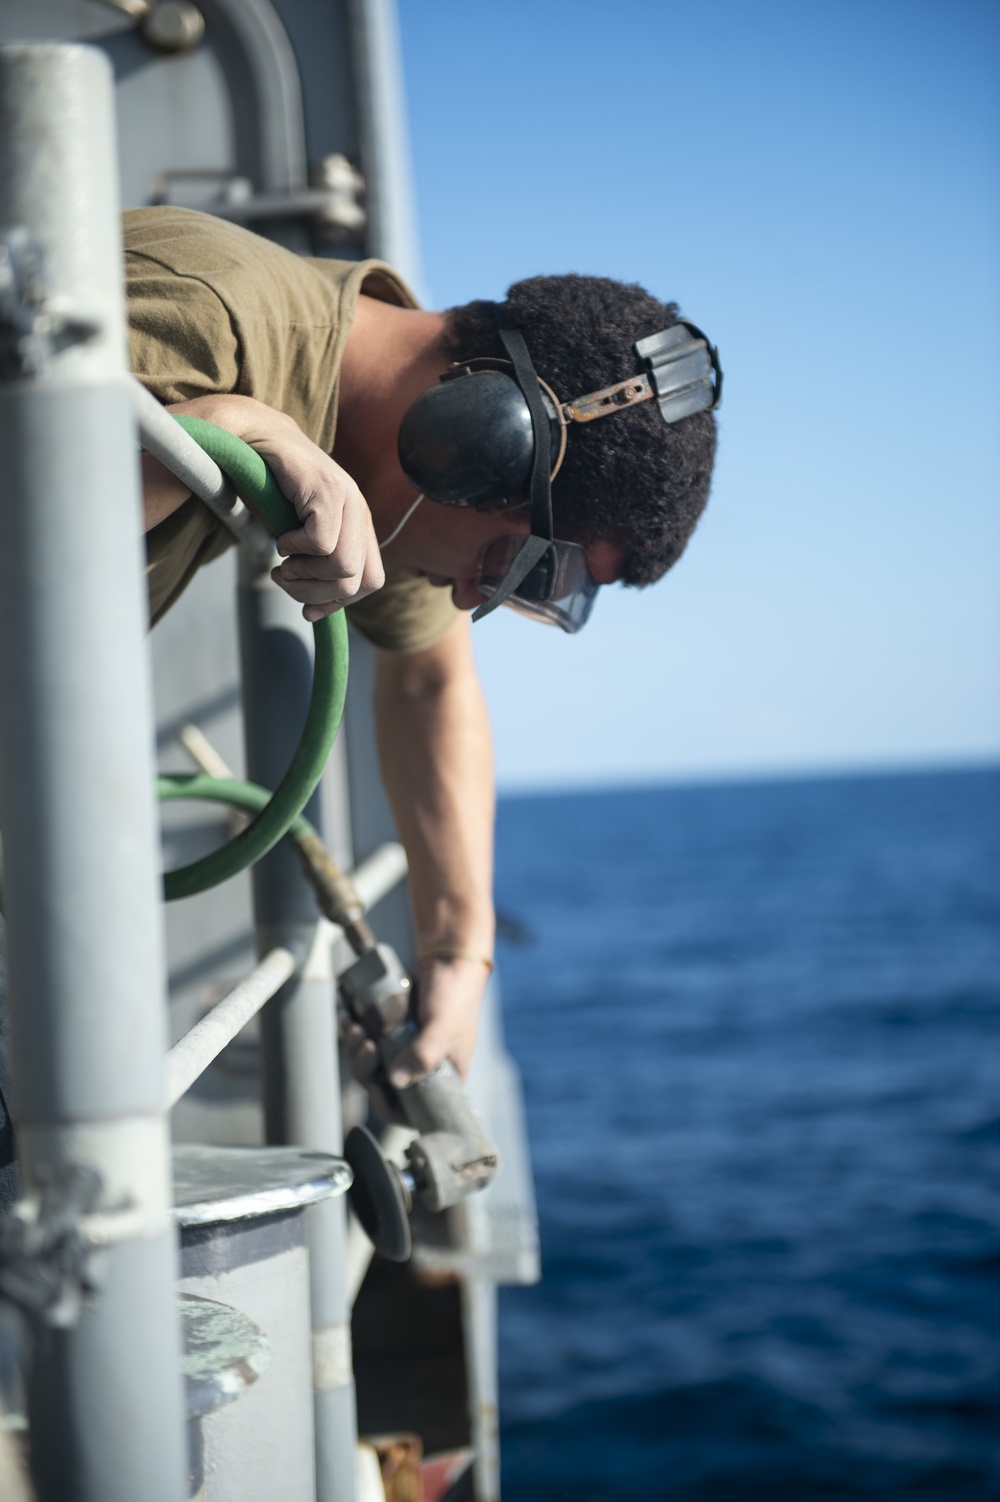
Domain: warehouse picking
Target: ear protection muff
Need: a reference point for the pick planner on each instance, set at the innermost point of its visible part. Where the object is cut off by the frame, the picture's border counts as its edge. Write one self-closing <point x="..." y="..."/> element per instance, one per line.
<point x="470" y="440"/>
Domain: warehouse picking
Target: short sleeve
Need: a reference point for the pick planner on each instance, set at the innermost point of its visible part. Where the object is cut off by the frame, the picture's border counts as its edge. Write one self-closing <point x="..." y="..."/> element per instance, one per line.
<point x="407" y="614"/>
<point x="181" y="337"/>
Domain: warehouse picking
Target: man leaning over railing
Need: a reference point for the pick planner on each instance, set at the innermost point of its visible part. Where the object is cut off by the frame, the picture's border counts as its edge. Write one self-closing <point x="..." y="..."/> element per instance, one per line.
<point x="314" y="363"/>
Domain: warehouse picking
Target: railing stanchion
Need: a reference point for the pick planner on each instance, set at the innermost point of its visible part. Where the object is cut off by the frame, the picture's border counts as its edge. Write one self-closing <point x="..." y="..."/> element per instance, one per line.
<point x="299" y="1043"/>
<point x="76" y="789"/>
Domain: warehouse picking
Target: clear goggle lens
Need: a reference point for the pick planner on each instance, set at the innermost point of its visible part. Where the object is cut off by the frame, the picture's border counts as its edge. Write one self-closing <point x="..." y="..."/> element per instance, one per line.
<point x="560" y="589"/>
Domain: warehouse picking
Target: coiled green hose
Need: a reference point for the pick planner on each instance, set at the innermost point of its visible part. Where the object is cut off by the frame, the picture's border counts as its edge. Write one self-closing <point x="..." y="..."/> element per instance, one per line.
<point x="282" y="809"/>
<point x="335" y="893"/>
<point x="172" y="787"/>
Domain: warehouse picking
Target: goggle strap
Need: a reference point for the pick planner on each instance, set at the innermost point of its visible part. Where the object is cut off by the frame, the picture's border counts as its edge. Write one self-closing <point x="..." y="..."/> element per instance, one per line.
<point x="533" y="550"/>
<point x="540" y="491"/>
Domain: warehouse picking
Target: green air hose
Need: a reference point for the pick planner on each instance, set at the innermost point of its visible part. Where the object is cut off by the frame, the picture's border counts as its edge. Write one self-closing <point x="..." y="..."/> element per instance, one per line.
<point x="279" y="812"/>
<point x="172" y="787"/>
<point x="334" y="891"/>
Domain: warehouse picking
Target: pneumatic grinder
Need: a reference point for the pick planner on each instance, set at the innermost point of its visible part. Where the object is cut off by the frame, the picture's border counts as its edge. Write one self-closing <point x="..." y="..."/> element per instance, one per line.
<point x="452" y="1155"/>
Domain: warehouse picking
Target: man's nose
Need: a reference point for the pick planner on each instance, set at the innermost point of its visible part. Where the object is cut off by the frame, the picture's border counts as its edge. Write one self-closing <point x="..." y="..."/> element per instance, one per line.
<point x="465" y="594"/>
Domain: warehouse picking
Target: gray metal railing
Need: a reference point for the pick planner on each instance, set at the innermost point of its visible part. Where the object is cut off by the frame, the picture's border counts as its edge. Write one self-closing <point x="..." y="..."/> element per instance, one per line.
<point x="86" y="990"/>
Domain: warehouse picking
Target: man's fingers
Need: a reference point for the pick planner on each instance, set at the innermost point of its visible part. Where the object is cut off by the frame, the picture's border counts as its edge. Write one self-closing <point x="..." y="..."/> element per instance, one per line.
<point x="425" y="1053"/>
<point x="320" y="591"/>
<point x="334" y="517"/>
<point x="329" y="521"/>
<point x="331" y="566"/>
<point x="364" y="1061"/>
<point x="334" y="591"/>
<point x="332" y="552"/>
<point x="300" y="570"/>
<point x="360" y="1050"/>
<point x="314" y="613"/>
<point x="353" y="571"/>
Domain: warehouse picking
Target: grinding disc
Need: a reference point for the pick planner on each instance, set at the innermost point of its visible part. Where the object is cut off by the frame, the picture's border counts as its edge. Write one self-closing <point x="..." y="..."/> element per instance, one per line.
<point x="377" y="1196"/>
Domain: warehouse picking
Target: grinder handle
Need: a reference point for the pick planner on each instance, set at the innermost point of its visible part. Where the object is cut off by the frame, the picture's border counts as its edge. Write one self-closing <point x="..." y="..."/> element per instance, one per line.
<point x="453" y="1155"/>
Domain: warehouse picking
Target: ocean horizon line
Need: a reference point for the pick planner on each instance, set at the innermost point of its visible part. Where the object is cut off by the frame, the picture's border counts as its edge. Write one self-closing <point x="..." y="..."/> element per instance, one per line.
<point x="748" y="777"/>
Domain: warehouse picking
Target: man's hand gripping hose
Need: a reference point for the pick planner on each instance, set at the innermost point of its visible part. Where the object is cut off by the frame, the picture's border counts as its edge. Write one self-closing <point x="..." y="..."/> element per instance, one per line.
<point x="255" y="483"/>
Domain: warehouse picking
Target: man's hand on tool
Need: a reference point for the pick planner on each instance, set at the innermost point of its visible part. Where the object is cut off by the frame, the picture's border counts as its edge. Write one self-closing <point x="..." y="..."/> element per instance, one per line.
<point x="333" y="558"/>
<point x="449" y="993"/>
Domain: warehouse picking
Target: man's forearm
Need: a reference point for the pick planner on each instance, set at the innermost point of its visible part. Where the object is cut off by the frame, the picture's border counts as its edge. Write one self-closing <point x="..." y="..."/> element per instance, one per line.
<point x="437" y="764"/>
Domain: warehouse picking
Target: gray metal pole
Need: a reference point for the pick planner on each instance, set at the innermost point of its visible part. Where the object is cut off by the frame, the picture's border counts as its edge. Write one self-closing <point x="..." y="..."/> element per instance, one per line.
<point x="385" y="156"/>
<point x="301" y="1073"/>
<point x="76" y="782"/>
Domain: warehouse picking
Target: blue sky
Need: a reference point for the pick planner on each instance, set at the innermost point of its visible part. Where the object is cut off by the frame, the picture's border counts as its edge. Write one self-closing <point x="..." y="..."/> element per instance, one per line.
<point x="817" y="185"/>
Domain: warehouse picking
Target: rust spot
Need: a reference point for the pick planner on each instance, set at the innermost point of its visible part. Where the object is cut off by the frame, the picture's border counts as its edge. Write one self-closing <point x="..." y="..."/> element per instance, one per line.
<point x="609" y="399"/>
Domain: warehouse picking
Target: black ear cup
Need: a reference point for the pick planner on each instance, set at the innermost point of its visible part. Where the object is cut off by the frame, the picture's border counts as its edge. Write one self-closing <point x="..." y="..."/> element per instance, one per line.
<point x="468" y="441"/>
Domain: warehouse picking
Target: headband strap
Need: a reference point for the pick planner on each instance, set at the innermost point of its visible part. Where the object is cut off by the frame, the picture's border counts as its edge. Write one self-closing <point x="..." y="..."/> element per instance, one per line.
<point x="540" y="490"/>
<point x="537" y="544"/>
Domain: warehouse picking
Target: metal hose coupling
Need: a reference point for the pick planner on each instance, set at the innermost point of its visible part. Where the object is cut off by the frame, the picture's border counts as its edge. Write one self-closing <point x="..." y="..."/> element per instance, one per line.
<point x="335" y="893"/>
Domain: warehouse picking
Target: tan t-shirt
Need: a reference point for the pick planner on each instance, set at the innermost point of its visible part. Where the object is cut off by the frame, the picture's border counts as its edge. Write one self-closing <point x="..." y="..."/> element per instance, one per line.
<point x="214" y="308"/>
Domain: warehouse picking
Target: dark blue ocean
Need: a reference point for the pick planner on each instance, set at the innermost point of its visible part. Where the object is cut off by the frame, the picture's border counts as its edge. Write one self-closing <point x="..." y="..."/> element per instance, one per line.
<point x="759" y="1033"/>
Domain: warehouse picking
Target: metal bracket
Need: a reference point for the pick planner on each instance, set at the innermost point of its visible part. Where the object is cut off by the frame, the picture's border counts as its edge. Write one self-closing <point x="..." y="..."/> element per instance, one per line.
<point x="33" y="327"/>
<point x="48" y="1267"/>
<point x="682" y="364"/>
<point x="331" y="205"/>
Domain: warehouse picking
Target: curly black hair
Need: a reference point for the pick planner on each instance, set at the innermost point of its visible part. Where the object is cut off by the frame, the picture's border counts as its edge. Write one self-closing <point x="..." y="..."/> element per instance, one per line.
<point x="630" y="478"/>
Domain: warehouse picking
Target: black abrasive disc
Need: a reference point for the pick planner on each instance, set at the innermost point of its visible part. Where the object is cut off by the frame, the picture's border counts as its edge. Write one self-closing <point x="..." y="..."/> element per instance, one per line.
<point x="377" y="1196"/>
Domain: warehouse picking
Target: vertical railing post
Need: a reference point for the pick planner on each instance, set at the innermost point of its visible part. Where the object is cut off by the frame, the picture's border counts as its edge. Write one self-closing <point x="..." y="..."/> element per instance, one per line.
<point x="76" y="784"/>
<point x="299" y="1043"/>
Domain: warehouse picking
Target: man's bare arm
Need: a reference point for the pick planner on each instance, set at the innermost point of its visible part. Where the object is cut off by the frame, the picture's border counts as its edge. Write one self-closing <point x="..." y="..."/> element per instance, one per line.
<point x="437" y="765"/>
<point x="333" y="558"/>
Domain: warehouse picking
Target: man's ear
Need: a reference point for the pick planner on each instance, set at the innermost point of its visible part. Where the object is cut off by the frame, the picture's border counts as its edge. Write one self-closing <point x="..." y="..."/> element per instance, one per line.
<point x="607" y="561"/>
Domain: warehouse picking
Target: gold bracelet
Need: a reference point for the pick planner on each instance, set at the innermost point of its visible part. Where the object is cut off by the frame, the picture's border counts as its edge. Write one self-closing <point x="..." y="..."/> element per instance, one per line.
<point x="447" y="952"/>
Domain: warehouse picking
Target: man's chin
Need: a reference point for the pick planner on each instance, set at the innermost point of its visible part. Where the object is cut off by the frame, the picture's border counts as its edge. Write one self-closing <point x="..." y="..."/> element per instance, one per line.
<point x="438" y="581"/>
<point x="464" y="594"/>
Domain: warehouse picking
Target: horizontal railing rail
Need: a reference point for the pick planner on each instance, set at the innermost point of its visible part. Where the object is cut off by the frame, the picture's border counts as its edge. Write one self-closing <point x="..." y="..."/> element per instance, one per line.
<point x="191" y="1055"/>
<point x="376" y="876"/>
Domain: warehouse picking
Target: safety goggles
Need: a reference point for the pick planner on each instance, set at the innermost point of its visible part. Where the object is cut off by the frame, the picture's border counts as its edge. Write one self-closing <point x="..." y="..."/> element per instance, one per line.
<point x="559" y="589"/>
